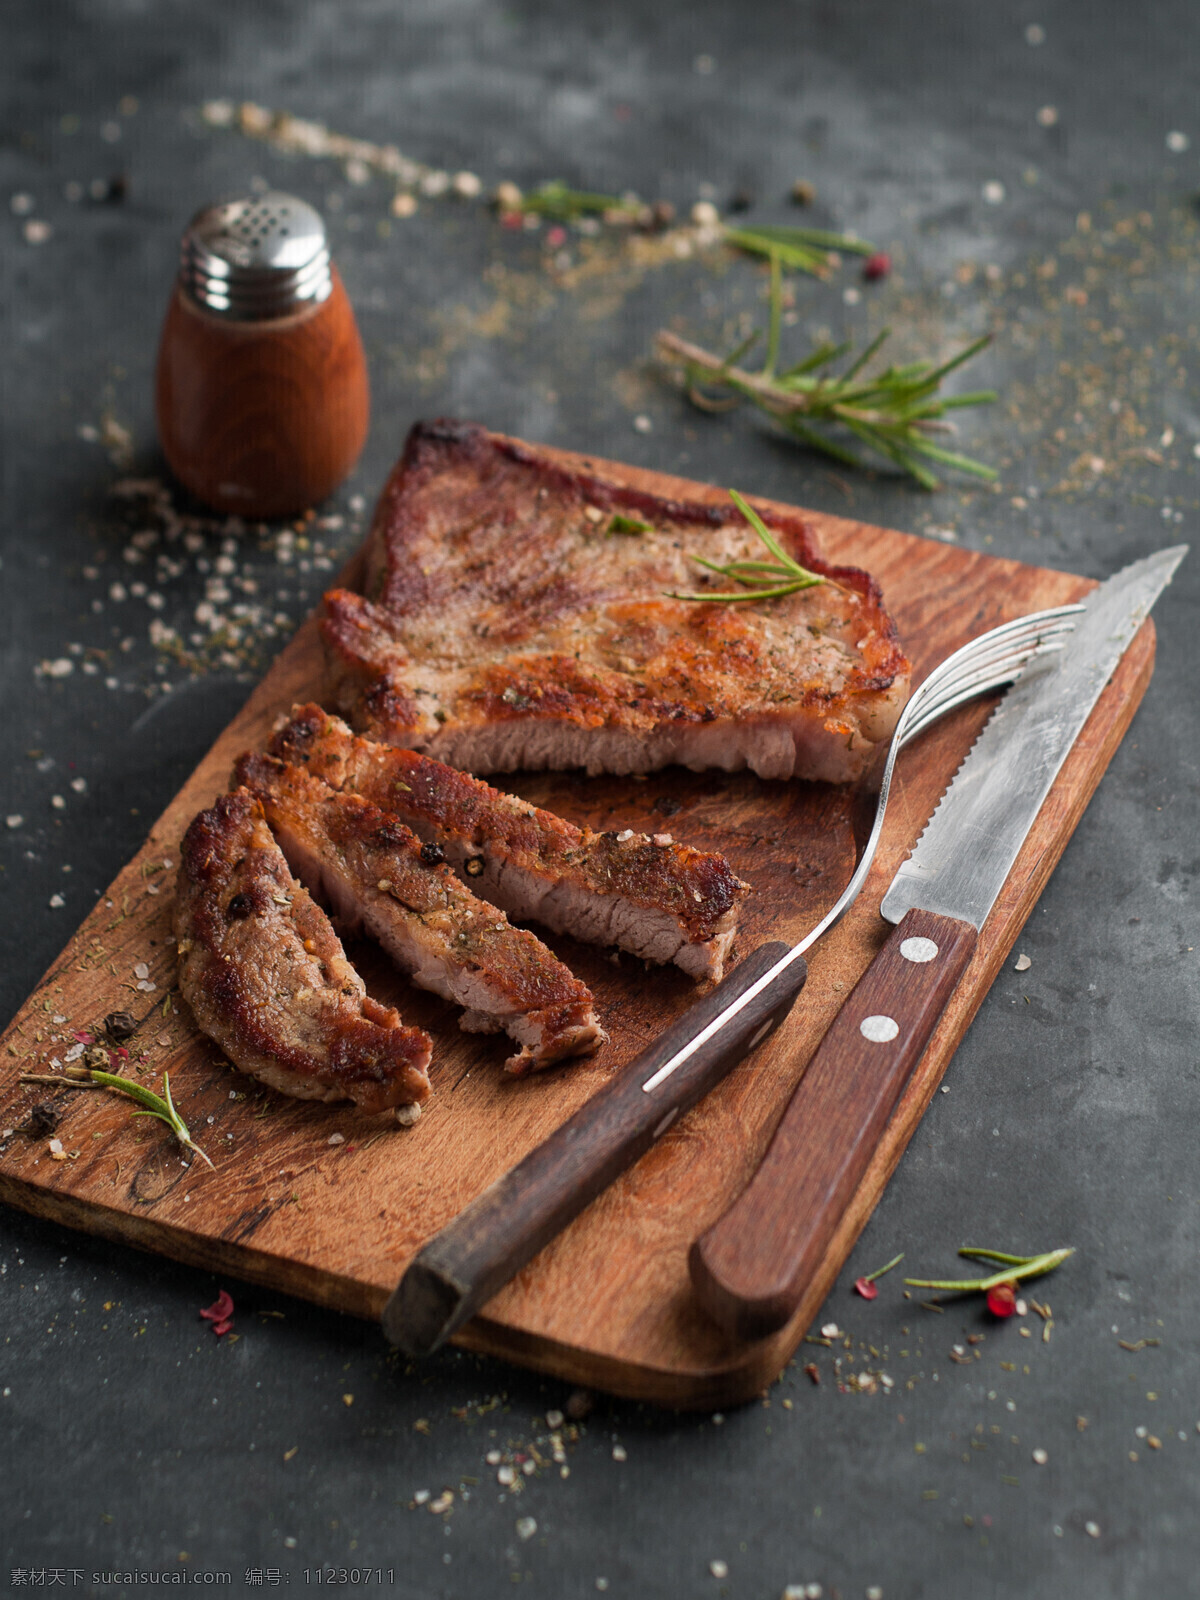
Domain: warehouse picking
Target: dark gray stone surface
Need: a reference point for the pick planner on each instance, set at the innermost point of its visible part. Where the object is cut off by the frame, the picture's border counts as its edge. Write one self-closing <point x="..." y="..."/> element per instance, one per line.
<point x="131" y="1435"/>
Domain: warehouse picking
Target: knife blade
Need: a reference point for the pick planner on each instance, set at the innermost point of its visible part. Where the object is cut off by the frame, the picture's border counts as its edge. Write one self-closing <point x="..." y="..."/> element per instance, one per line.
<point x="751" y="1267"/>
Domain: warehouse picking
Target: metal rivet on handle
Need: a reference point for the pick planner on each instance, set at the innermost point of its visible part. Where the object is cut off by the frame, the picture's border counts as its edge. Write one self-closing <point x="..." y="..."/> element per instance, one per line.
<point x="879" y="1029"/>
<point x="761" y="1034"/>
<point x="918" y="949"/>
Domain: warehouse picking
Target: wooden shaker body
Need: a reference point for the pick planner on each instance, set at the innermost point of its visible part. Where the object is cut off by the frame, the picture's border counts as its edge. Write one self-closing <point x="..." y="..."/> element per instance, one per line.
<point x="262" y="419"/>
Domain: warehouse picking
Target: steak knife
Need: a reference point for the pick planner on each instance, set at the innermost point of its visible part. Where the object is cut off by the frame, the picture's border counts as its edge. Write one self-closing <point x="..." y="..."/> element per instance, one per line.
<point x="744" y="1277"/>
<point x="751" y="1268"/>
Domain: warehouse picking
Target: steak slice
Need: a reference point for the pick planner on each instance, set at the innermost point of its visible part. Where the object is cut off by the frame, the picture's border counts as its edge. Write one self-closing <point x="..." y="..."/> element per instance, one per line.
<point x="516" y="616"/>
<point x="268" y="980"/>
<point x="380" y="879"/>
<point x="661" y="900"/>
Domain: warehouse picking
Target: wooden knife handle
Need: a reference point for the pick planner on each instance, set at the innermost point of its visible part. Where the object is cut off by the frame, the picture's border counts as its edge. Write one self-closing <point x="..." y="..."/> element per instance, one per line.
<point x="751" y="1268"/>
<point x="464" y="1265"/>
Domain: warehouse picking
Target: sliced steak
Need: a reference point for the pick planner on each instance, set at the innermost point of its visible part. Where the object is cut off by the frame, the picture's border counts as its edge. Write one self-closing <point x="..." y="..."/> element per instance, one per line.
<point x="517" y="616"/>
<point x="379" y="879"/>
<point x="268" y="980"/>
<point x="659" y="900"/>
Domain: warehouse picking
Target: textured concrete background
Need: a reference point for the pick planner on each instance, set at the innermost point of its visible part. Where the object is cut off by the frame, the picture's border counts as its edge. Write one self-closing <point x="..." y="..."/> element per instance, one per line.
<point x="130" y="1435"/>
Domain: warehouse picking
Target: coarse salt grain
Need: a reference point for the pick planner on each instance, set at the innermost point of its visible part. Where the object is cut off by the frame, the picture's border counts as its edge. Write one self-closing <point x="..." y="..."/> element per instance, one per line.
<point x="526" y="1527"/>
<point x="642" y="424"/>
<point x="57" y="902"/>
<point x="554" y="1419"/>
<point x="1092" y="1529"/>
<point x="336" y="1138"/>
<point x="506" y="1475"/>
<point x="874" y="1592"/>
<point x="1041" y="1457"/>
<point x="719" y="1569"/>
<point x="619" y="1453"/>
<point x="14" y="820"/>
<point x="1022" y="963"/>
<point x="993" y="193"/>
<point x="1177" y="143"/>
<point x="492" y="1458"/>
<point x="830" y="1331"/>
<point x="141" y="970"/>
<point x="422" y="1497"/>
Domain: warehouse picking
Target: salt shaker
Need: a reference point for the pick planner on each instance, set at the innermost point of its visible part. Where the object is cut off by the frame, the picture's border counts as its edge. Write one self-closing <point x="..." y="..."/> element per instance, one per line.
<point x="262" y="395"/>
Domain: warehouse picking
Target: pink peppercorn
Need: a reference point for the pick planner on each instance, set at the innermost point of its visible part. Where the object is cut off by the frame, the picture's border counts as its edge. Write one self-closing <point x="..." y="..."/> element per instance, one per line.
<point x="877" y="266"/>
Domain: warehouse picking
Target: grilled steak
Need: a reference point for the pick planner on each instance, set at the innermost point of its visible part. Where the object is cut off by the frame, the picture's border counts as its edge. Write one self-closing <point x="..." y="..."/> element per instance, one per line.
<point x="516" y="618"/>
<point x="267" y="979"/>
<point x="380" y="879"/>
<point x="660" y="900"/>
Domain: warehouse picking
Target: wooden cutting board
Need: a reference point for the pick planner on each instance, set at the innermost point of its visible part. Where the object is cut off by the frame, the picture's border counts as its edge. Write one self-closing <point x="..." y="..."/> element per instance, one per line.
<point x="608" y="1303"/>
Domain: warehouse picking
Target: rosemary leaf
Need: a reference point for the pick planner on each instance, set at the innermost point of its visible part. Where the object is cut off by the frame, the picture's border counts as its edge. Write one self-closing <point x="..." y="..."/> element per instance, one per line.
<point x="557" y="201"/>
<point x="621" y="524"/>
<point x="808" y="249"/>
<point x="153" y="1105"/>
<point x="793" y="577"/>
<point x="1018" y="1267"/>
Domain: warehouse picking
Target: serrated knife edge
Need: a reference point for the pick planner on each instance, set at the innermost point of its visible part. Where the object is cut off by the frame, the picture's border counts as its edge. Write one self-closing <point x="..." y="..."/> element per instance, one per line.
<point x="964" y="853"/>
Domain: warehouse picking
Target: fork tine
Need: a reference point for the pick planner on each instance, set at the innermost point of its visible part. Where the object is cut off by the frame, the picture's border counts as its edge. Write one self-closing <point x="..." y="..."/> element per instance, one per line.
<point x="969" y="687"/>
<point x="988" y="662"/>
<point x="1013" y="635"/>
<point x="998" y="662"/>
<point x="1003" y="651"/>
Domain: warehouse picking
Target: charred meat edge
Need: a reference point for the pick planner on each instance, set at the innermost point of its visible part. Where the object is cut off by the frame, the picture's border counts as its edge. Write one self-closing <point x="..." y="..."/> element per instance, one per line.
<point x="530" y="713"/>
<point x="267" y="978"/>
<point x="663" y="902"/>
<point x="379" y="878"/>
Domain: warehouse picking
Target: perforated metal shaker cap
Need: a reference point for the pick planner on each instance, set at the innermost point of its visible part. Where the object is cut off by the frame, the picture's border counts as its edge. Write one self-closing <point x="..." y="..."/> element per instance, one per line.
<point x="256" y="259"/>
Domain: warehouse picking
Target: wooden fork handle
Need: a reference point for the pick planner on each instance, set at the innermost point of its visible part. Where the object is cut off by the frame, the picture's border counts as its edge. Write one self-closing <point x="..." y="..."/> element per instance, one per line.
<point x="463" y="1266"/>
<point x="751" y="1268"/>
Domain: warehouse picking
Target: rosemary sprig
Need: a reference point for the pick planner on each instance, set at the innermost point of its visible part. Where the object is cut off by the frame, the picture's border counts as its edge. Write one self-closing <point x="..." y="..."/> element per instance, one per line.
<point x="790" y="576"/>
<point x="562" y="204"/>
<point x="892" y="412"/>
<point x="154" y="1105"/>
<point x="1016" y="1267"/>
<point x="623" y="524"/>
<point x="809" y="249"/>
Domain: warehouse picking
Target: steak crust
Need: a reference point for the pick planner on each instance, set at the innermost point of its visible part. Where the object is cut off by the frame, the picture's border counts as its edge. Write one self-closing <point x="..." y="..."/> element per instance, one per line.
<point x="268" y="980"/>
<point x="510" y="623"/>
<point x="379" y="879"/>
<point x="660" y="900"/>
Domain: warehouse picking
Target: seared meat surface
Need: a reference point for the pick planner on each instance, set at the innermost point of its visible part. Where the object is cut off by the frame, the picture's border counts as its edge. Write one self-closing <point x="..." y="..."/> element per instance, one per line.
<point x="516" y="617"/>
<point x="379" y="879"/>
<point x="660" y="900"/>
<point x="268" y="980"/>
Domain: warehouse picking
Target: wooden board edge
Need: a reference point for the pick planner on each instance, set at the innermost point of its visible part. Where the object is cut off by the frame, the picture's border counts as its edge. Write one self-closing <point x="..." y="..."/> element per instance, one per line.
<point x="333" y="1291"/>
<point x="749" y="1369"/>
